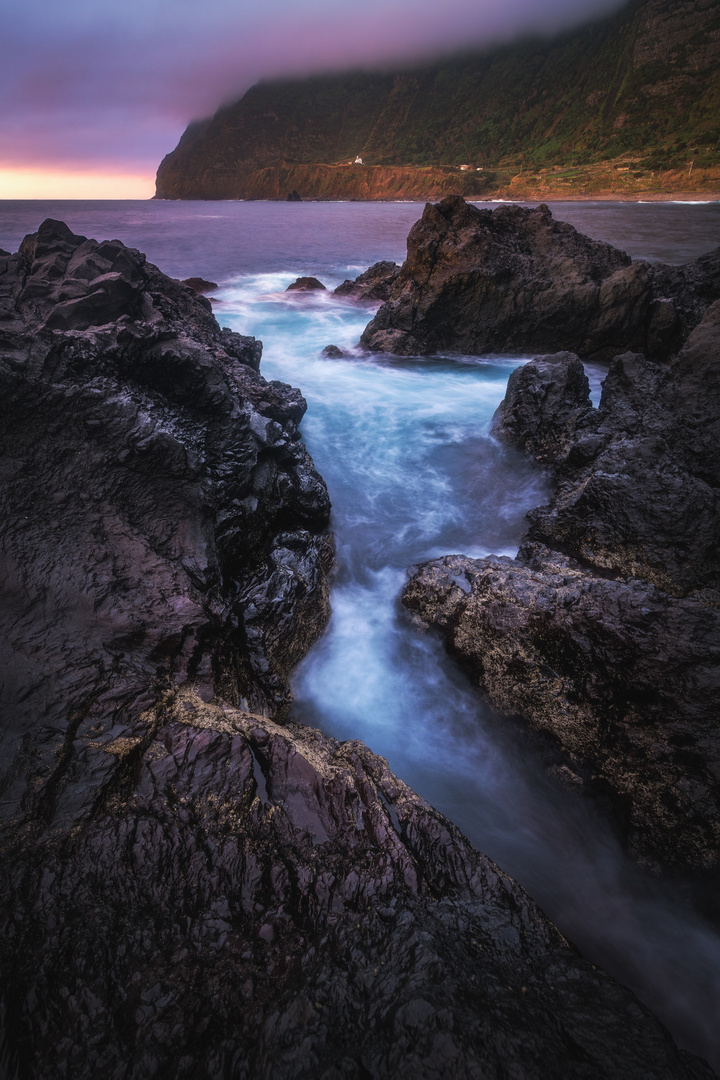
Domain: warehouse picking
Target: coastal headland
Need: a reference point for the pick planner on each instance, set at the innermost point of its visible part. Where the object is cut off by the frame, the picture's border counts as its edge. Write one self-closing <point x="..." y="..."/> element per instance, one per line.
<point x="622" y="108"/>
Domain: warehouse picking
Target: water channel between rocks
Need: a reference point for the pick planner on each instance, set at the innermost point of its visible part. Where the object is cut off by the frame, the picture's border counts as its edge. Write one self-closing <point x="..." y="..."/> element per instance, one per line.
<point x="403" y="445"/>
<point x="413" y="474"/>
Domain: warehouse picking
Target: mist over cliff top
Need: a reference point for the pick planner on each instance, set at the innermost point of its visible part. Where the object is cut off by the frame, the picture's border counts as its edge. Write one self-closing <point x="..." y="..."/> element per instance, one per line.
<point x="640" y="88"/>
<point x="115" y="84"/>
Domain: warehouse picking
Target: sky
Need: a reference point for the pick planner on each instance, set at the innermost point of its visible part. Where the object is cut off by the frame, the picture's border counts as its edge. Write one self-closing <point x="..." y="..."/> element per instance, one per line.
<point x="96" y="92"/>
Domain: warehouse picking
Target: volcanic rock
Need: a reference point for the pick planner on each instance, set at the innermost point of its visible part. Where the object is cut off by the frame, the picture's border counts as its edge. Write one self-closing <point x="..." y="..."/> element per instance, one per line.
<point x="605" y="632"/>
<point x="514" y="279"/>
<point x="190" y="888"/>
<point x="333" y="352"/>
<point x="639" y="491"/>
<point x="374" y="284"/>
<point x="544" y="403"/>
<point x="306" y="284"/>
<point x="256" y="900"/>
<point x="200" y="285"/>
<point x="161" y="516"/>
<point x="624" y="678"/>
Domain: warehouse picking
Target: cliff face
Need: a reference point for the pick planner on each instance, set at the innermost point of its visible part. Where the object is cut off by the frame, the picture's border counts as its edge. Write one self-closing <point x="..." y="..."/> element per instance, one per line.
<point x="644" y="82"/>
<point x="190" y="888"/>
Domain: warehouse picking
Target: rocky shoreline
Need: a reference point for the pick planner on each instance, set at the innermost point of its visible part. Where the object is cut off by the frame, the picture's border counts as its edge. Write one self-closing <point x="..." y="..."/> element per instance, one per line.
<point x="192" y="886"/>
<point x="515" y="279"/>
<point x="604" y="632"/>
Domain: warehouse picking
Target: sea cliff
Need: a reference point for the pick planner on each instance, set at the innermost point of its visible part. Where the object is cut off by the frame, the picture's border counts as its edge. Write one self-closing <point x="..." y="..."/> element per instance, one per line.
<point x="626" y="108"/>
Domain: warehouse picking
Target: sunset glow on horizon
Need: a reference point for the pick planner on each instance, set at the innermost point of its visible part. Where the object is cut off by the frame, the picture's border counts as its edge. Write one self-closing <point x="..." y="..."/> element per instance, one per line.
<point x="54" y="183"/>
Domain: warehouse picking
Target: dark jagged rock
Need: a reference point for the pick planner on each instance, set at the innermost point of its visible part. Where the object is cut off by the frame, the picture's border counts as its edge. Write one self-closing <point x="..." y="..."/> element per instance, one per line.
<point x="624" y="677"/>
<point x="605" y="631"/>
<point x="333" y="352"/>
<point x="189" y="888"/>
<point x="294" y="197"/>
<point x="639" y="489"/>
<point x="200" y="285"/>
<point x="514" y="279"/>
<point x="161" y="517"/>
<point x="374" y="284"/>
<point x="255" y="900"/>
<point x="306" y="284"/>
<point x="544" y="403"/>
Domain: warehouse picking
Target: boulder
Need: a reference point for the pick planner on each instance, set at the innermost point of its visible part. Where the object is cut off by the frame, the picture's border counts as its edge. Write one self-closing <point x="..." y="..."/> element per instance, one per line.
<point x="373" y="284"/>
<point x="333" y="352"/>
<point x="515" y="279"/>
<point x="544" y="404"/>
<point x="200" y="285"/>
<point x="306" y="284"/>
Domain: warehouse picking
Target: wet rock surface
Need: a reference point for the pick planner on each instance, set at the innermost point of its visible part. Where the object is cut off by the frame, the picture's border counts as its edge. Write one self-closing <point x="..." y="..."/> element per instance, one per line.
<point x="159" y="509"/>
<point x="260" y="901"/>
<point x="200" y="285"/>
<point x="605" y="631"/>
<point x="544" y="404"/>
<point x="638" y="482"/>
<point x="306" y="284"/>
<point x="191" y="889"/>
<point x="515" y="279"/>
<point x="373" y="284"/>
<point x="624" y="677"/>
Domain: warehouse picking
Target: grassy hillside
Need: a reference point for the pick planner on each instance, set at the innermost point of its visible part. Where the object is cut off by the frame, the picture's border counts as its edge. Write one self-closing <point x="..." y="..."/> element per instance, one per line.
<point x="644" y="83"/>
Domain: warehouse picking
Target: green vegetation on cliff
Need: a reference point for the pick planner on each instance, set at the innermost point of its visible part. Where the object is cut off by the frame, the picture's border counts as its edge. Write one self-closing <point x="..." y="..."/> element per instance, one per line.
<point x="644" y="82"/>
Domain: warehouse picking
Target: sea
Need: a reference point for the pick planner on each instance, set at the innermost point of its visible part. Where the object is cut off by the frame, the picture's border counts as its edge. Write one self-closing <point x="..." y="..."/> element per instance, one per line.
<point x="413" y="473"/>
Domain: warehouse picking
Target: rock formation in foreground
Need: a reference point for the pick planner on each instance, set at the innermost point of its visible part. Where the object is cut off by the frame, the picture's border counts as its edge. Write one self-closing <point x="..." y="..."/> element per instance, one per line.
<point x="160" y="513"/>
<point x="191" y="889"/>
<point x="259" y="901"/>
<point x="605" y="631"/>
<point x="514" y="279"/>
<point x="373" y="284"/>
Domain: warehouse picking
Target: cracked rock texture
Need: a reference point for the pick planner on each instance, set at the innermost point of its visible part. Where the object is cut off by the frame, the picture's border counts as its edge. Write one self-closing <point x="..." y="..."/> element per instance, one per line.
<point x="257" y="901"/>
<point x="191" y="889"/>
<point x="605" y="631"/>
<point x="160" y="513"/>
<point x="514" y="279"/>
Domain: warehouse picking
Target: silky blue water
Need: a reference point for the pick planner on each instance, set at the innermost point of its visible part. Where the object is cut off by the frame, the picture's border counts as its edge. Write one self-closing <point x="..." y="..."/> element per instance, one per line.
<point x="413" y="473"/>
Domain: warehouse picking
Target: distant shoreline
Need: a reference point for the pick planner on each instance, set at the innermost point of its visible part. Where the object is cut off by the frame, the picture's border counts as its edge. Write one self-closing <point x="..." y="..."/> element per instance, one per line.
<point x="701" y="198"/>
<point x="619" y="180"/>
